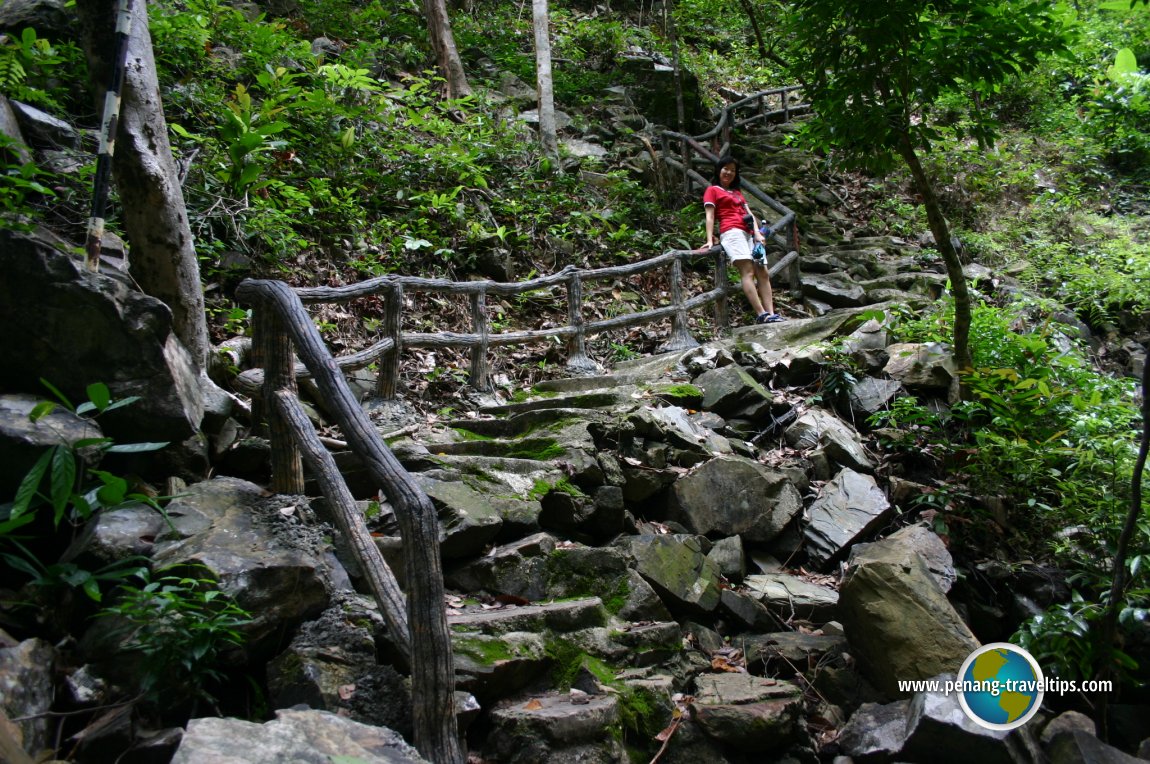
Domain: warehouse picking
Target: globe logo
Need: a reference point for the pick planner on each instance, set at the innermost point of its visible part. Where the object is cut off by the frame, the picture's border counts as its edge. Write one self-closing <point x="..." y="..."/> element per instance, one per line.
<point x="1000" y="686"/>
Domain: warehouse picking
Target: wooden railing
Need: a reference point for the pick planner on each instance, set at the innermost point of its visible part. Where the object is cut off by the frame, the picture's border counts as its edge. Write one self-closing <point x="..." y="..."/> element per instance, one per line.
<point x="387" y="349"/>
<point x="682" y="152"/>
<point x="282" y="329"/>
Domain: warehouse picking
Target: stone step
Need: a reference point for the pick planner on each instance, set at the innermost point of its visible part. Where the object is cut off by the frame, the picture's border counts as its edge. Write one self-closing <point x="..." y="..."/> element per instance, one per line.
<point x="580" y="401"/>
<point x="564" y="616"/>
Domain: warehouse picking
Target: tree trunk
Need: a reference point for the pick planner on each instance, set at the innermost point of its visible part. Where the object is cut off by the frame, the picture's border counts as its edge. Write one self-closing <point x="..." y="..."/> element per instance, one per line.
<point x="163" y="255"/>
<point x="750" y="11"/>
<point x="547" y="131"/>
<point x="672" y="33"/>
<point x="941" y="234"/>
<point x="443" y="43"/>
<point x="1118" y="575"/>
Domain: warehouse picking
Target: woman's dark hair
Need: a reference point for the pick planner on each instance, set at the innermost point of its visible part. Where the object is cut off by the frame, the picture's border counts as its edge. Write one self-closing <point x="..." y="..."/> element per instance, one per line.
<point x="722" y="162"/>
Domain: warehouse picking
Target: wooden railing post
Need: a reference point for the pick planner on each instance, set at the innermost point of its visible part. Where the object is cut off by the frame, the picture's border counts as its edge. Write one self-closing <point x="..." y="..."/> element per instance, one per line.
<point x="272" y="350"/>
<point x="794" y="275"/>
<point x="680" y="338"/>
<point x="479" y="372"/>
<point x="387" y="382"/>
<point x="721" y="284"/>
<point x="577" y="359"/>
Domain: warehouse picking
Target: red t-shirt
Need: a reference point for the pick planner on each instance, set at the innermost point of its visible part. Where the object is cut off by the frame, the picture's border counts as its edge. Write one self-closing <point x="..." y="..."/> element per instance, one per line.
<point x="730" y="206"/>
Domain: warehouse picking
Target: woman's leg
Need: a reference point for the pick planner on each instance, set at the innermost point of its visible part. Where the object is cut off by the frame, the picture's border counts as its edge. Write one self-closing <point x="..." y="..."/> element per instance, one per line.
<point x="766" y="296"/>
<point x="747" y="278"/>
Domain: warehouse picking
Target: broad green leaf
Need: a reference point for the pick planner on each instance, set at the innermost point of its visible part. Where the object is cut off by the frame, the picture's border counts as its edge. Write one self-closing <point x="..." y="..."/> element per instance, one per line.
<point x="62" y="479"/>
<point x="30" y="484"/>
<point x="99" y="395"/>
<point x="41" y="410"/>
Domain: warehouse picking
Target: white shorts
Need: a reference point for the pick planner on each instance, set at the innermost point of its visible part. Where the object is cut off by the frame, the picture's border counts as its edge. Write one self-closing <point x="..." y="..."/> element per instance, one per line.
<point x="737" y="244"/>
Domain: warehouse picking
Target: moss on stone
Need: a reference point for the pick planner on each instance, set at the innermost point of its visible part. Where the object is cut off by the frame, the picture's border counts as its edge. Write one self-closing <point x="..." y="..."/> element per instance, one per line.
<point x="678" y="391"/>
<point x="537" y="449"/>
<point x="484" y="651"/>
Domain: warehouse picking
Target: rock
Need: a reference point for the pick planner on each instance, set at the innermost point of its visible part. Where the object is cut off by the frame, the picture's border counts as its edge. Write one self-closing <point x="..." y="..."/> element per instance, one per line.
<point x="10" y="129"/>
<point x="767" y="725"/>
<point x="569" y="615"/>
<point x="306" y="737"/>
<point x="792" y="597"/>
<point x="642" y="602"/>
<point x="678" y="570"/>
<point x="736" y="688"/>
<point x="876" y="730"/>
<point x="923" y="368"/>
<point x="469" y="519"/>
<point x="900" y="624"/>
<point x="331" y="665"/>
<point x="939" y="731"/>
<point x="757" y="502"/>
<point x="43" y="130"/>
<point x="677" y="428"/>
<point x="126" y="338"/>
<point x="848" y="508"/>
<point x="820" y="429"/>
<point x="113" y="536"/>
<point x="1066" y="723"/>
<point x="51" y="19"/>
<point x="834" y="289"/>
<point x="518" y="568"/>
<point x="550" y="728"/>
<point x="494" y="666"/>
<point x="730" y="389"/>
<point x="1079" y="747"/>
<point x="747" y="611"/>
<point x="584" y="517"/>
<point x="26" y="690"/>
<point x="22" y="441"/>
<point x="781" y="653"/>
<point x="263" y="557"/>
<point x="870" y="395"/>
<point x="918" y="539"/>
<point x="729" y="556"/>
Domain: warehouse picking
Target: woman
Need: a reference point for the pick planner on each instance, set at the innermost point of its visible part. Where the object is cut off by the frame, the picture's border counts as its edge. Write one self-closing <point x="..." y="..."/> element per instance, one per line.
<point x="737" y="226"/>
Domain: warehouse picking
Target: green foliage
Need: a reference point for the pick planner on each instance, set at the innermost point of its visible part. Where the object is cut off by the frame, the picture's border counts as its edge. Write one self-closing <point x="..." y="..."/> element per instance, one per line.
<point x="1061" y="639"/>
<point x="33" y="69"/>
<point x="181" y="626"/>
<point x="49" y="578"/>
<point x="60" y="479"/>
<point x="19" y="186"/>
<point x="873" y="73"/>
<point x="65" y="482"/>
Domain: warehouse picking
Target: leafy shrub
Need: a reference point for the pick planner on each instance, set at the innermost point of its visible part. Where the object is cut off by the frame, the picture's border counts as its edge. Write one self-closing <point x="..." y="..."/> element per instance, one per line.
<point x="181" y="625"/>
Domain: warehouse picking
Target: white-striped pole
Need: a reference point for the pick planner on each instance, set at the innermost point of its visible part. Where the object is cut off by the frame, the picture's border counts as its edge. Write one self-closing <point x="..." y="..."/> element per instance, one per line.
<point x="108" y="126"/>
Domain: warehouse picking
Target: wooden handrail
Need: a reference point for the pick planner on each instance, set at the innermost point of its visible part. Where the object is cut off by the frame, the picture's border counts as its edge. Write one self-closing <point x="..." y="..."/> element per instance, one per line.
<point x="280" y="321"/>
<point x="387" y="349"/>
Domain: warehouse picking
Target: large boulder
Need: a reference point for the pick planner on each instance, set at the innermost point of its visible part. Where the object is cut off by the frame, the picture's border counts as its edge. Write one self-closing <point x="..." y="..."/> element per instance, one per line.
<point x="898" y="619"/>
<point x="756" y="502"/>
<point x="254" y="544"/>
<point x="115" y="335"/>
<point x="819" y="429"/>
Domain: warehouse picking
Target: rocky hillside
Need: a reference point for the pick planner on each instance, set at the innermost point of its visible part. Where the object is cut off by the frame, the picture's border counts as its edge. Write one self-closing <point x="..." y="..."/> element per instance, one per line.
<point x="726" y="554"/>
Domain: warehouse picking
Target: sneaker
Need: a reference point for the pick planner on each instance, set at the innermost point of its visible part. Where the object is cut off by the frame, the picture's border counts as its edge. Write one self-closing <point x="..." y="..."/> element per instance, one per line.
<point x="763" y="318"/>
<point x="773" y="318"/>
